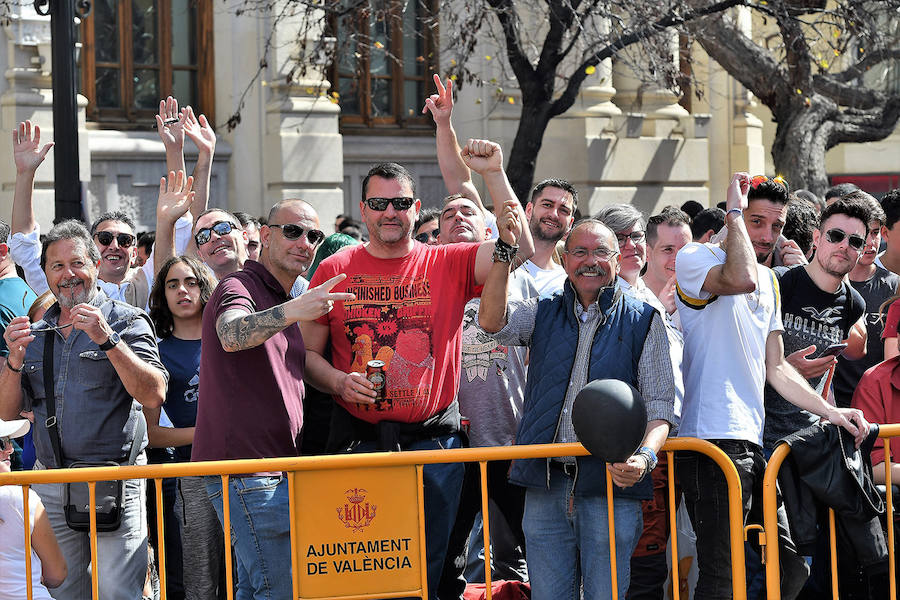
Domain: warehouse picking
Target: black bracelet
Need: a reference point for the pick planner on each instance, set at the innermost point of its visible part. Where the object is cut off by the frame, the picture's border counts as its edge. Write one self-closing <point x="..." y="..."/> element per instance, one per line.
<point x="13" y="369"/>
<point x="504" y="246"/>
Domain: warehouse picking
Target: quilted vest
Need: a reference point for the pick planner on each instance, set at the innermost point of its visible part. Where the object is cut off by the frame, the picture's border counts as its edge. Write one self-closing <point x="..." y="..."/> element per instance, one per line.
<point x="615" y="354"/>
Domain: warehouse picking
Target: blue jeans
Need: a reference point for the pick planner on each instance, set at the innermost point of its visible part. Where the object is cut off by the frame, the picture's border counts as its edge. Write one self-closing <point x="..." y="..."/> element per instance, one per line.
<point x="443" y="484"/>
<point x="122" y="554"/>
<point x="568" y="541"/>
<point x="260" y="534"/>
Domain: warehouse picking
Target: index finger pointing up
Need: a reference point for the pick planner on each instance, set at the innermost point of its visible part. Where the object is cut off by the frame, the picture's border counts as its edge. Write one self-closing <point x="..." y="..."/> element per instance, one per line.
<point x="332" y="282"/>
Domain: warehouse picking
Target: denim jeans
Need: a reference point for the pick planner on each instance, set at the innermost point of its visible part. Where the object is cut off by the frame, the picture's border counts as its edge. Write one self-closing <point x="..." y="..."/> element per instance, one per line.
<point x="122" y="554"/>
<point x="443" y="483"/>
<point x="568" y="541"/>
<point x="261" y="534"/>
<point x="706" y="499"/>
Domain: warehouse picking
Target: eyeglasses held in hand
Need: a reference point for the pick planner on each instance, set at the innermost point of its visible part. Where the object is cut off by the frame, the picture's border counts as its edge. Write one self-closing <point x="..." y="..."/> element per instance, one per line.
<point x="42" y="329"/>
<point x="836" y="236"/>
<point x="426" y="235"/>
<point x="219" y="227"/>
<point x="381" y="204"/>
<point x="106" y="237"/>
<point x="295" y="232"/>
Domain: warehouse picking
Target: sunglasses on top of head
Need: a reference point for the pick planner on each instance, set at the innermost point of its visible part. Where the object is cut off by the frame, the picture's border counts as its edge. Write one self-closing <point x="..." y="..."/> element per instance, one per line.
<point x="295" y="232"/>
<point x="219" y="227"/>
<point x="381" y="204"/>
<point x="836" y="236"/>
<point x="106" y="237"/>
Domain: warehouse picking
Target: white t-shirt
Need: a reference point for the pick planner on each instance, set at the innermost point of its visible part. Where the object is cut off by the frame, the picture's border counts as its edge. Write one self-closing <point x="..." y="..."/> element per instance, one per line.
<point x="724" y="364"/>
<point x="547" y="281"/>
<point x="12" y="546"/>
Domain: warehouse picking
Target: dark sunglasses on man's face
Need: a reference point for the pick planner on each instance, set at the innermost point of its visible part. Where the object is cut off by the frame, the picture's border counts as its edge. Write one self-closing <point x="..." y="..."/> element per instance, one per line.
<point x="295" y="232"/>
<point x="836" y="236"/>
<point x="106" y="237"/>
<point x="4" y="444"/>
<point x="220" y="227"/>
<point x="425" y="235"/>
<point x="381" y="204"/>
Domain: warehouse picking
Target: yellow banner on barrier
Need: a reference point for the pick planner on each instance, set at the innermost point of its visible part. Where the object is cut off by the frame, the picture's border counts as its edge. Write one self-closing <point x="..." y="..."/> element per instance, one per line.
<point x="358" y="531"/>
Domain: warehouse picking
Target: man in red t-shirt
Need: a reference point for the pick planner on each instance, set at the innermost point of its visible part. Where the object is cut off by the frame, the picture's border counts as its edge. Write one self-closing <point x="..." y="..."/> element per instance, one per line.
<point x="408" y="314"/>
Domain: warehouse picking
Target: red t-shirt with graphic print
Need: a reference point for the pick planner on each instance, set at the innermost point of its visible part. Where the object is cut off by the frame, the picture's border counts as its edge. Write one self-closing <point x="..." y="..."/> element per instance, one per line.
<point x="408" y="312"/>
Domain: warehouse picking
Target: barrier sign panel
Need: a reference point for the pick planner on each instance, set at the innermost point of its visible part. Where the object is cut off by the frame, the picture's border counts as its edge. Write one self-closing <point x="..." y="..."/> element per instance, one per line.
<point x="358" y="531"/>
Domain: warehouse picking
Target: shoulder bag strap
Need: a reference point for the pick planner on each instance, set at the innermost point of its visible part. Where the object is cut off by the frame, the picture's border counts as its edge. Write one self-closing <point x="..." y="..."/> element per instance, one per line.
<point x="140" y="428"/>
<point x="50" y="393"/>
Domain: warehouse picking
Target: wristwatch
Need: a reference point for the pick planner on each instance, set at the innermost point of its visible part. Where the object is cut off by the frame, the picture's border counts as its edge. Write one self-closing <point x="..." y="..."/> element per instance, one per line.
<point x="110" y="343"/>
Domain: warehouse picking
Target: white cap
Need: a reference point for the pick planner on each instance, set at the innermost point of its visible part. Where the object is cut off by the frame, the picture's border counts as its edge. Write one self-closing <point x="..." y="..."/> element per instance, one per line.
<point x="14" y="429"/>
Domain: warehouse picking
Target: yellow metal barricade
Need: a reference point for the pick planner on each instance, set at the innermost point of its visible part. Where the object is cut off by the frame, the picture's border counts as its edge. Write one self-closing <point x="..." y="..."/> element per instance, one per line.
<point x="770" y="519"/>
<point x="389" y="471"/>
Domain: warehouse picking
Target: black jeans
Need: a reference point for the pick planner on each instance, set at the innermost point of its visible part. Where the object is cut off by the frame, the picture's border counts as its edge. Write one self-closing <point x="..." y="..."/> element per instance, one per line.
<point x="706" y="498"/>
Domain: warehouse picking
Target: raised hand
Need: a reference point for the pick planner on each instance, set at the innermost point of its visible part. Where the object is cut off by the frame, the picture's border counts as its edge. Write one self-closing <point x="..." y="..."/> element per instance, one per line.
<point x="737" y="191"/>
<point x="170" y="124"/>
<point x="175" y="197"/>
<point x="199" y="131"/>
<point x="27" y="151"/>
<point x="482" y="156"/>
<point x="440" y="104"/>
<point x="509" y="226"/>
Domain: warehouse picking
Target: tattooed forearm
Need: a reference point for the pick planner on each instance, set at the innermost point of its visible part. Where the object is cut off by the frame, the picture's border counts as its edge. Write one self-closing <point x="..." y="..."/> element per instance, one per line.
<point x="239" y="331"/>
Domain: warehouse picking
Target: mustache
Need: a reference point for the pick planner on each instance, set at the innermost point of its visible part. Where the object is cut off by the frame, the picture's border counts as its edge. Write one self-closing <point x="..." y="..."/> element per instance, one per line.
<point x="595" y="270"/>
<point x="71" y="282"/>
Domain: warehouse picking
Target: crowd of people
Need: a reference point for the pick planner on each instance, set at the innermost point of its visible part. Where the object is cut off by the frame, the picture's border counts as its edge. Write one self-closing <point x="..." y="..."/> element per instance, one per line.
<point x="242" y="337"/>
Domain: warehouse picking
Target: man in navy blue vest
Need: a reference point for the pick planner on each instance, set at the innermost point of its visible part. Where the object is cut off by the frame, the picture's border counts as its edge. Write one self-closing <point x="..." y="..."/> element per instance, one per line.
<point x="589" y="330"/>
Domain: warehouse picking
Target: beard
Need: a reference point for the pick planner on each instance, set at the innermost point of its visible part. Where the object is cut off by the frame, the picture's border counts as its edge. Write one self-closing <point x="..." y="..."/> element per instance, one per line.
<point x="74" y="291"/>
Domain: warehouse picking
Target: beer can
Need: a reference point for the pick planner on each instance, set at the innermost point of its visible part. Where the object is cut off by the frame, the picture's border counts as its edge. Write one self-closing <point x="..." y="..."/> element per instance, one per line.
<point x="375" y="374"/>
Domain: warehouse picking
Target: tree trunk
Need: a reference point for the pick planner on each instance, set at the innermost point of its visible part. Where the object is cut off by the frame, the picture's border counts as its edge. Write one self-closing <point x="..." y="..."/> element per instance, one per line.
<point x="526" y="146"/>
<point x="801" y="140"/>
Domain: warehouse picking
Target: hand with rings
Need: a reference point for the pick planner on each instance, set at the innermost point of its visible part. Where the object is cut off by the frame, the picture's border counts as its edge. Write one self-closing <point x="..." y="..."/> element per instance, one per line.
<point x="90" y="320"/>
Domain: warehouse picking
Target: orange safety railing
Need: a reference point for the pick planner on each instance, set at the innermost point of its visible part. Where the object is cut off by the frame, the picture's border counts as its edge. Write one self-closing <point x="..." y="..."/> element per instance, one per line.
<point x="770" y="519"/>
<point x="293" y="466"/>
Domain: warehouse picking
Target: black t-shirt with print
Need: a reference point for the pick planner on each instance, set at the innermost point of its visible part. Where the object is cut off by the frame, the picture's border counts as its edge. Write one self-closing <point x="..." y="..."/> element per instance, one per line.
<point x="874" y="291"/>
<point x="811" y="316"/>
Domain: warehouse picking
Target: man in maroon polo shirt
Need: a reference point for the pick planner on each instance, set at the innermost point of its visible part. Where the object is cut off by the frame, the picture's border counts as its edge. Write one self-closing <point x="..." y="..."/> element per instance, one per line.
<point x="251" y="389"/>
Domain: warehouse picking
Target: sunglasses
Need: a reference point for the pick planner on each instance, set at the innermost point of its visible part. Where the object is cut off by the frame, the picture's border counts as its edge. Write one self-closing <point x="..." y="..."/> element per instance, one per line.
<point x="756" y="180"/>
<point x="5" y="444"/>
<point x="836" y="236"/>
<point x="106" y="237"/>
<point x="295" y="232"/>
<point x="220" y="227"/>
<point x="381" y="204"/>
<point x="425" y="235"/>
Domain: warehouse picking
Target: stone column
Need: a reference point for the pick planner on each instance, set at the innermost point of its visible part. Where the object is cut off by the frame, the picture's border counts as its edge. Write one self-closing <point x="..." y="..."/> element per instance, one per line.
<point x="302" y="142"/>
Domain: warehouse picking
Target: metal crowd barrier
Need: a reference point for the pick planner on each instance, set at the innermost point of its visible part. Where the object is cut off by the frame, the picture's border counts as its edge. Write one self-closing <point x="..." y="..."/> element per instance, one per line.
<point x="770" y="520"/>
<point x="296" y="467"/>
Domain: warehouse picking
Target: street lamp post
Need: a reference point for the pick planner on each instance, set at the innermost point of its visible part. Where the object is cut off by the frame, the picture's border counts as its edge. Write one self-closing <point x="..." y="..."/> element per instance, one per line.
<point x="66" y="182"/>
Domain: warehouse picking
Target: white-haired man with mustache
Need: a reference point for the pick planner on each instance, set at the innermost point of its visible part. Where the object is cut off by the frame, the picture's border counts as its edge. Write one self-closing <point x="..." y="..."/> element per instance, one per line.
<point x="590" y="330"/>
<point x="105" y="366"/>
